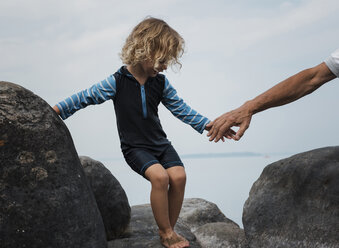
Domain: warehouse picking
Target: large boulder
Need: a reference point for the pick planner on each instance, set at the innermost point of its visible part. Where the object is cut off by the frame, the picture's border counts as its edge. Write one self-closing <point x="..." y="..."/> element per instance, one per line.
<point x="210" y="226"/>
<point x="110" y="196"/>
<point x="200" y="222"/>
<point x="143" y="231"/>
<point x="196" y="212"/>
<point x="45" y="199"/>
<point x="221" y="235"/>
<point x="295" y="202"/>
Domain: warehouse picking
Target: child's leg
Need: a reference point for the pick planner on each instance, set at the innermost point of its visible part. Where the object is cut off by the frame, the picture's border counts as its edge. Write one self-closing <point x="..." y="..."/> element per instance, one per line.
<point x="159" y="179"/>
<point x="177" y="181"/>
<point x="159" y="196"/>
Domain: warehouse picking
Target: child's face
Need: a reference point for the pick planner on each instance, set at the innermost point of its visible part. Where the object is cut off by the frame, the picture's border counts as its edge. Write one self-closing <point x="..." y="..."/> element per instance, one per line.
<point x="150" y="70"/>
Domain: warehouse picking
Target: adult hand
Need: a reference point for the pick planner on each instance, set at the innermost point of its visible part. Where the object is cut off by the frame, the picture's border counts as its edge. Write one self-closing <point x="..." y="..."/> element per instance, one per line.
<point x="228" y="134"/>
<point x="221" y="127"/>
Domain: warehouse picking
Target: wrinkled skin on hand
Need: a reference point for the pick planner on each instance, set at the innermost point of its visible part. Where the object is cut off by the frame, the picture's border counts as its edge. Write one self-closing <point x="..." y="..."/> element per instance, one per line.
<point x="222" y="126"/>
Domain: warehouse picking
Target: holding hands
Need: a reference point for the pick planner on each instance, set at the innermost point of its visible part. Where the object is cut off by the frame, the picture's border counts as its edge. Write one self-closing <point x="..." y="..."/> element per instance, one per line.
<point x="221" y="126"/>
<point x="289" y="90"/>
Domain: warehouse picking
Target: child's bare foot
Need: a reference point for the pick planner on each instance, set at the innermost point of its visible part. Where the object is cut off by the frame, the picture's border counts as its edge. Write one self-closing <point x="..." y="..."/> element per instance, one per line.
<point x="183" y="239"/>
<point x="173" y="240"/>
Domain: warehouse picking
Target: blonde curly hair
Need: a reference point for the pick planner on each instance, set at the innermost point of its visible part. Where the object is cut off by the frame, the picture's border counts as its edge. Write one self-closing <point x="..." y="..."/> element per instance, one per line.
<point x="153" y="39"/>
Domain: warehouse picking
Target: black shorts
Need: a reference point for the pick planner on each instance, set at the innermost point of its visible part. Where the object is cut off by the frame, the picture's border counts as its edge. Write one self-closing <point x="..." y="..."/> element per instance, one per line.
<point x="140" y="159"/>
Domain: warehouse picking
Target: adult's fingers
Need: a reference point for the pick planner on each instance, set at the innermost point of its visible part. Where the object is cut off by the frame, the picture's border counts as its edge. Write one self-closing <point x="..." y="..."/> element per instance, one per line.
<point x="229" y="134"/>
<point x="241" y="130"/>
<point x="220" y="126"/>
<point x="231" y="131"/>
<point x="215" y="129"/>
<point x="209" y="127"/>
<point x="220" y="133"/>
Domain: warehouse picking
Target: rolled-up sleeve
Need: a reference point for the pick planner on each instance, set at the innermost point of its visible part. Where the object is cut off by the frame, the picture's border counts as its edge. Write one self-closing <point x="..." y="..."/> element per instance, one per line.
<point x="333" y="62"/>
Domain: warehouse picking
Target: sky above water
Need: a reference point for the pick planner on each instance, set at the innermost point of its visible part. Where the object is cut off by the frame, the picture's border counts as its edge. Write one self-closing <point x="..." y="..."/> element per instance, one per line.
<point x="235" y="50"/>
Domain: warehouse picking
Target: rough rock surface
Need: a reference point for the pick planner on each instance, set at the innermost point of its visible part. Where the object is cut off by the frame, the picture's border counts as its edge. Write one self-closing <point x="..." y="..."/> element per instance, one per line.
<point x="143" y="231"/>
<point x="196" y="212"/>
<point x="210" y="226"/>
<point x="110" y="197"/>
<point x="295" y="202"/>
<point x="45" y="199"/>
<point x="221" y="235"/>
<point x="200" y="222"/>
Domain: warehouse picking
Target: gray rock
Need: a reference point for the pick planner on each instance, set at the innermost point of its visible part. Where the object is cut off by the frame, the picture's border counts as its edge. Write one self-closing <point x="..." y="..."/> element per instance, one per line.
<point x="143" y="231"/>
<point x="45" y="199"/>
<point x="110" y="197"/>
<point x="221" y="235"/>
<point x="196" y="212"/>
<point x="295" y="202"/>
<point x="200" y="222"/>
<point x="210" y="225"/>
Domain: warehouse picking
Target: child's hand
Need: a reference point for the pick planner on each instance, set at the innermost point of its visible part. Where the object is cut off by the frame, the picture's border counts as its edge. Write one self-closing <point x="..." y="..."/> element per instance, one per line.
<point x="208" y="126"/>
<point x="56" y="109"/>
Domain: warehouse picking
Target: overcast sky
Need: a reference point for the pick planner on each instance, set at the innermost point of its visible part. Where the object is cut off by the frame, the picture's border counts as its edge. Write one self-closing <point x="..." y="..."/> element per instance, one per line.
<point x="234" y="51"/>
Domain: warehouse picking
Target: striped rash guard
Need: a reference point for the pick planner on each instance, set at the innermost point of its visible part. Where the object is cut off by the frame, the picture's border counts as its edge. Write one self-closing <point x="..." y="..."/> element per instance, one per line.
<point x="136" y="108"/>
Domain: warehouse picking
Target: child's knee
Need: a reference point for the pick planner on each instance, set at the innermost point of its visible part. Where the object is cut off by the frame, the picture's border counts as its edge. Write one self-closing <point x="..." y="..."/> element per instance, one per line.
<point x="160" y="180"/>
<point x="178" y="179"/>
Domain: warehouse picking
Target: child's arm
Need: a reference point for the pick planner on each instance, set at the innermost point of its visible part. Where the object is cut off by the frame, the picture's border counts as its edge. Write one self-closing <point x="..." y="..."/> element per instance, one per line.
<point x="96" y="94"/>
<point x="181" y="110"/>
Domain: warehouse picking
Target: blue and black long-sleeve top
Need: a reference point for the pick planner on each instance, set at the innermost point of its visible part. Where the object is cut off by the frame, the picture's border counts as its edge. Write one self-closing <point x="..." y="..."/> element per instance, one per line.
<point x="136" y="107"/>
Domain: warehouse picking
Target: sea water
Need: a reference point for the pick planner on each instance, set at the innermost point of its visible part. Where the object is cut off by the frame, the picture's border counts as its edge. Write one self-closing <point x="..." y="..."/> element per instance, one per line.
<point x="224" y="179"/>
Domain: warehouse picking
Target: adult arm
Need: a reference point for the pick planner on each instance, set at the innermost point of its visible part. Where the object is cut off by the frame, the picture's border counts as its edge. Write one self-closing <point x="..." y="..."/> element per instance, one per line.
<point x="181" y="110"/>
<point x="96" y="94"/>
<point x="287" y="91"/>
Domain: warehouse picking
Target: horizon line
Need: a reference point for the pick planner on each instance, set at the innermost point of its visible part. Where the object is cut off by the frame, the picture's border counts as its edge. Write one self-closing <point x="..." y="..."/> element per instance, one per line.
<point x="218" y="155"/>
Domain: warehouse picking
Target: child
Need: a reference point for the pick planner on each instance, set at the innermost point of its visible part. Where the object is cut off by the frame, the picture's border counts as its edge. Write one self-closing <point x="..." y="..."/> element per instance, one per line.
<point x="136" y="90"/>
